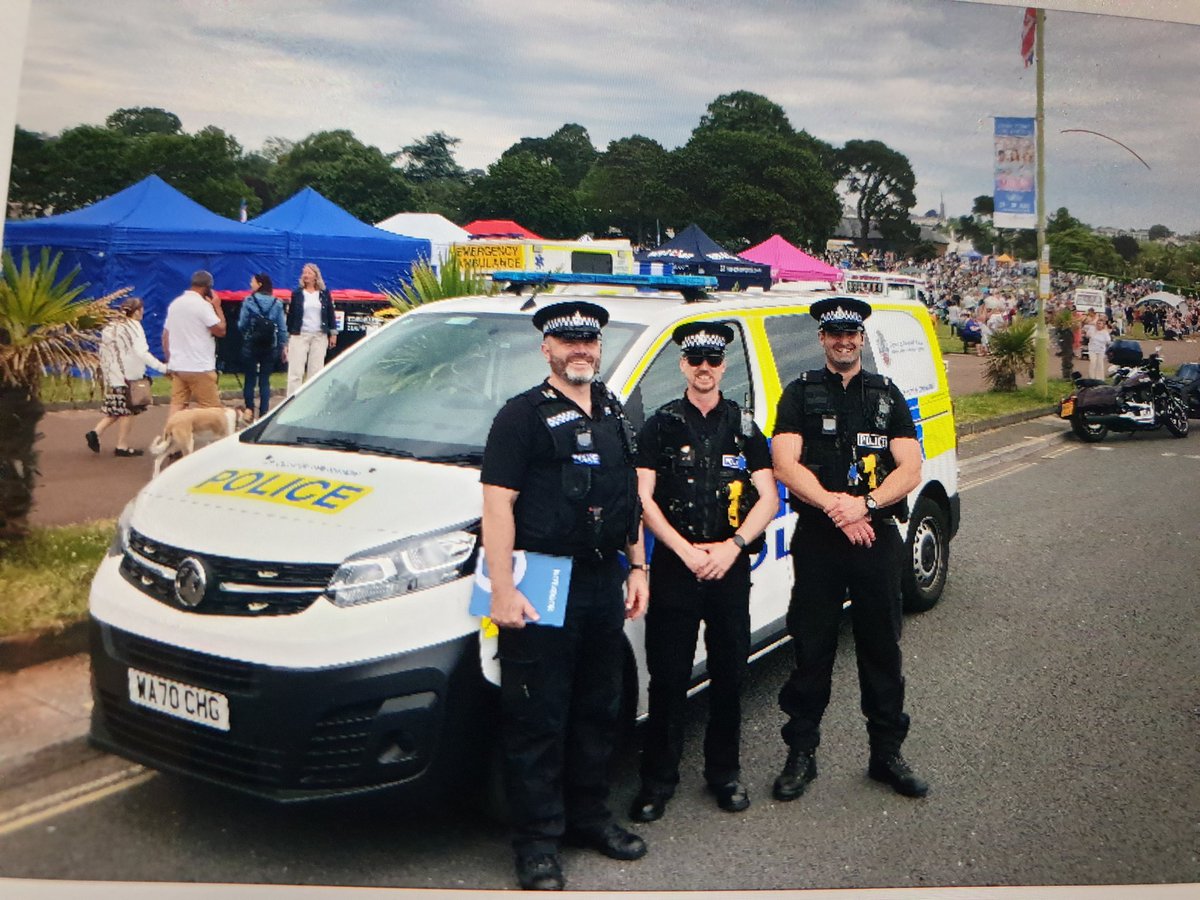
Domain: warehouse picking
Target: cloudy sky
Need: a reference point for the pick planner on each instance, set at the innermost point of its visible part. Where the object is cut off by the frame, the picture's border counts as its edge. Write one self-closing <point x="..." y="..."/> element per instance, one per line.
<point x="924" y="76"/>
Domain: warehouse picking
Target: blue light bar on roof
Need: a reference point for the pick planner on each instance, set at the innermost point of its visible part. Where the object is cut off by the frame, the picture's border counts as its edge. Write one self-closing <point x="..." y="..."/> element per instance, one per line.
<point x="661" y="282"/>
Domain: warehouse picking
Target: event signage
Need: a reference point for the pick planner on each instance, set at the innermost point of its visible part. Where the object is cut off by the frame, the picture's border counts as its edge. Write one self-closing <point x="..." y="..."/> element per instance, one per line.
<point x="489" y="257"/>
<point x="1014" y="200"/>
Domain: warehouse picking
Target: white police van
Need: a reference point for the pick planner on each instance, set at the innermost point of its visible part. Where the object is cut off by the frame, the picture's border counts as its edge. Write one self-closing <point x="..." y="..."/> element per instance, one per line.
<point x="285" y="611"/>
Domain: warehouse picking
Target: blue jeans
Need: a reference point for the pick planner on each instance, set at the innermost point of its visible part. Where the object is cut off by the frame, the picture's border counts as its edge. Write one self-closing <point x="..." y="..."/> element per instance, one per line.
<point x="258" y="367"/>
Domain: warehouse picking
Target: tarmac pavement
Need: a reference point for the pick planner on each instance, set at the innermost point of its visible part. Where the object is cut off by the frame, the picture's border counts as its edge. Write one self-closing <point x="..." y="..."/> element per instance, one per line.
<point x="47" y="703"/>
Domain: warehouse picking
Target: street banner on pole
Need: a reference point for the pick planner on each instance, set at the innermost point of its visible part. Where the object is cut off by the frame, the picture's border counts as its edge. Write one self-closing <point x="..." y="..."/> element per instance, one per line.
<point x="1028" y="33"/>
<point x="1014" y="200"/>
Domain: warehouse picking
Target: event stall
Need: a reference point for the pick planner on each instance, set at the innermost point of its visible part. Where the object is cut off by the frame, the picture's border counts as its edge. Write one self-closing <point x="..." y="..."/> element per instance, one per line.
<point x="789" y="263"/>
<point x="692" y="252"/>
<point x="435" y="228"/>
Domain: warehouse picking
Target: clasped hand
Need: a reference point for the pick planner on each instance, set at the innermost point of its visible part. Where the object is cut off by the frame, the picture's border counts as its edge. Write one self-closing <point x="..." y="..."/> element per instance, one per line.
<point x="849" y="514"/>
<point x="708" y="562"/>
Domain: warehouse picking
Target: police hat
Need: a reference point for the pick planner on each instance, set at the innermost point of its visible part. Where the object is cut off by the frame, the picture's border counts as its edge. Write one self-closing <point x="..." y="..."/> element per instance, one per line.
<point x="571" y="320"/>
<point x="840" y="314"/>
<point x="702" y="337"/>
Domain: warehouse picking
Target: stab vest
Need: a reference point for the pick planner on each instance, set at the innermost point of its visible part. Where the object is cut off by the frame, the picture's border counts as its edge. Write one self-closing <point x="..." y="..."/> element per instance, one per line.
<point x="702" y="482"/>
<point x="840" y="434"/>
<point x="583" y="499"/>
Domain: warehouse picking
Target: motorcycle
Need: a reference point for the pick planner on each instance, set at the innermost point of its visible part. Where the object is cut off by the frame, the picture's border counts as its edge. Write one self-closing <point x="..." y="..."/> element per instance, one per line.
<point x="1138" y="399"/>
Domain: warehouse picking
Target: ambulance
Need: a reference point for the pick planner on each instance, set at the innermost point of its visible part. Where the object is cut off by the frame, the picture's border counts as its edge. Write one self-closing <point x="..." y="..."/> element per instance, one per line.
<point x="597" y="257"/>
<point x="285" y="611"/>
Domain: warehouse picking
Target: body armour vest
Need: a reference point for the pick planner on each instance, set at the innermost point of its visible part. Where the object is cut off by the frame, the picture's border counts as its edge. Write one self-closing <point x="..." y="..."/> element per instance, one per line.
<point x="702" y="485"/>
<point x="846" y="444"/>
<point x="582" y="500"/>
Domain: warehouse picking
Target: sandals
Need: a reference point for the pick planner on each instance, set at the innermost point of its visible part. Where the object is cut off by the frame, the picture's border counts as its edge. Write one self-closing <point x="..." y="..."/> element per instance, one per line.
<point x="128" y="451"/>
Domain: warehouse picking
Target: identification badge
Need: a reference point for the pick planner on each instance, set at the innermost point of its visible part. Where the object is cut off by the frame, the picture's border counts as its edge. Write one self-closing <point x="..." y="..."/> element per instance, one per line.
<point x="733" y="461"/>
<point x="828" y="424"/>
<point x="586" y="459"/>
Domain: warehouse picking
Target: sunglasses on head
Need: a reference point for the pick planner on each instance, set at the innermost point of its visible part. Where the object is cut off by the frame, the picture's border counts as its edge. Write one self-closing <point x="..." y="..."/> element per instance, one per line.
<point x="713" y="359"/>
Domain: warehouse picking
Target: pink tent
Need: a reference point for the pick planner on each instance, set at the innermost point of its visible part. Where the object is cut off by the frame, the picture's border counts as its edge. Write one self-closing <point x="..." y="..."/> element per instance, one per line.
<point x="790" y="263"/>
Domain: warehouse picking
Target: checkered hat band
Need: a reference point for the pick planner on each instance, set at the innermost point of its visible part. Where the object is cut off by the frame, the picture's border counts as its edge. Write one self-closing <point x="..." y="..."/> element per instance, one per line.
<point x="841" y="315"/>
<point x="577" y="322"/>
<point x="702" y="340"/>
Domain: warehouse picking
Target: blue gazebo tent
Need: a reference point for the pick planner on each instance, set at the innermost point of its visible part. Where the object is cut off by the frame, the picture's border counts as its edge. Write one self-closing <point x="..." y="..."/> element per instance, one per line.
<point x="350" y="253"/>
<point x="149" y="237"/>
<point x="692" y="252"/>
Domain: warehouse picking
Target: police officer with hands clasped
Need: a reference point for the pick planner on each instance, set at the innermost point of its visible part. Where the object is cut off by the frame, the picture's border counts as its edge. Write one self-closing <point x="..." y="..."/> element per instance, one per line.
<point x="704" y="476"/>
<point x="846" y="448"/>
<point x="558" y="479"/>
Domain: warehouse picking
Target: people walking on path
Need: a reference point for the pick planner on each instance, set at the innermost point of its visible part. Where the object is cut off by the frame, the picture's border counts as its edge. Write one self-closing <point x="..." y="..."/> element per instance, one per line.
<point x="312" y="328"/>
<point x="124" y="357"/>
<point x="194" y="322"/>
<point x="1098" y="344"/>
<point x="264" y="337"/>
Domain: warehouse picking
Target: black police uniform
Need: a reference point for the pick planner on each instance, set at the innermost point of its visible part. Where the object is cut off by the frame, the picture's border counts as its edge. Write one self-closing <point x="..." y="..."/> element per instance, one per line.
<point x="561" y="687"/>
<point x="698" y="460"/>
<point x="841" y="427"/>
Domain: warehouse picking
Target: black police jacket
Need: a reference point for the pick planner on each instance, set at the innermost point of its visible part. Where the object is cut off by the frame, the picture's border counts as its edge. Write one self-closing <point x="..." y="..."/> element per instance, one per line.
<point x="702" y="484"/>
<point x="846" y="436"/>
<point x="583" y="499"/>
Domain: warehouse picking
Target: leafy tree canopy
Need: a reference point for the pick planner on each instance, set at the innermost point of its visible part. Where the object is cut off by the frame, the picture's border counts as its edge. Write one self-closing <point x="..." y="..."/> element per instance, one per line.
<point x="881" y="182"/>
<point x="984" y="205"/>
<point x="745" y="111"/>
<point x="136" y="121"/>
<point x="1127" y="246"/>
<point x="432" y="157"/>
<point x="531" y="190"/>
<point x="624" y="187"/>
<point x="358" y="177"/>
<point x="569" y="150"/>
<point x="1158" y="232"/>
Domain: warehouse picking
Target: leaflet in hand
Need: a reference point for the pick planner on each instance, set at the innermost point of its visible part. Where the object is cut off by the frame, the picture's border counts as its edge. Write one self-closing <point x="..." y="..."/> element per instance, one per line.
<point x="544" y="580"/>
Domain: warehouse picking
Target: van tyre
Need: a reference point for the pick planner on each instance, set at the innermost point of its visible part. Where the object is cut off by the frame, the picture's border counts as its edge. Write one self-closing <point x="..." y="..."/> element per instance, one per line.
<point x="927" y="559"/>
<point x="1089" y="433"/>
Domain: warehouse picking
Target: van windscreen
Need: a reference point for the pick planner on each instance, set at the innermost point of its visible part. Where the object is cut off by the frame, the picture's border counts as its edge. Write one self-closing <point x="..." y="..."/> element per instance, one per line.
<point x="427" y="387"/>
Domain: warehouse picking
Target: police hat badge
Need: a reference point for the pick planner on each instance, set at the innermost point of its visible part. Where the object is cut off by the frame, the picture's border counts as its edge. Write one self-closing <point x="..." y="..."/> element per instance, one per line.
<point x="702" y="337"/>
<point x="571" y="320"/>
<point x="840" y="314"/>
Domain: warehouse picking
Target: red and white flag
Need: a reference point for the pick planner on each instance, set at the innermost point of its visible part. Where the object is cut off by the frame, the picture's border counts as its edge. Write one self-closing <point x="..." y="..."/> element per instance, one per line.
<point x="1028" y="31"/>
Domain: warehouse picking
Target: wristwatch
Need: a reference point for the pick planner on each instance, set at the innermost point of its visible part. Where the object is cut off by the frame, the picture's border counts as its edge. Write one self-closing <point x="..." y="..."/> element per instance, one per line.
<point x="645" y="567"/>
<point x="871" y="504"/>
<point x="739" y="541"/>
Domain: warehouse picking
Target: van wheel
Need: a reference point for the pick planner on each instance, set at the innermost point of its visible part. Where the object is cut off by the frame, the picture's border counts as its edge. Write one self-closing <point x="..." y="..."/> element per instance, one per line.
<point x="928" y="558"/>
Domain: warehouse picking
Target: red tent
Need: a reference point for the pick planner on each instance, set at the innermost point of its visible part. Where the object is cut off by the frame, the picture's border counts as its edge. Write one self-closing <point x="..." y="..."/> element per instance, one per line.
<point x="789" y="263"/>
<point x="499" y="228"/>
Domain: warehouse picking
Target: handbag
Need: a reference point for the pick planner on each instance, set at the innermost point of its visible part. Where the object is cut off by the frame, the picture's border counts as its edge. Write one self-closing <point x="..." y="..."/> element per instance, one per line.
<point x="139" y="393"/>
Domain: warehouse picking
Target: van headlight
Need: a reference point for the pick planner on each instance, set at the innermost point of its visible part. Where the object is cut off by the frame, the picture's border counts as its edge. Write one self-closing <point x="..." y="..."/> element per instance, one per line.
<point x="120" y="541"/>
<point x="402" y="567"/>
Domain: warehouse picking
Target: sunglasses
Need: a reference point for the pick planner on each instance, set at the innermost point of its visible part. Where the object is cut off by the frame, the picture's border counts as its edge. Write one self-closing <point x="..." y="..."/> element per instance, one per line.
<point x="713" y="359"/>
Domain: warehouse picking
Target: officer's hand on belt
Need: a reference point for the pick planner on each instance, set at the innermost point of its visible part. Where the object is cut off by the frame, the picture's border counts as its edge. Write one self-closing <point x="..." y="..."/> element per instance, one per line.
<point x="510" y="609"/>
<point x="721" y="556"/>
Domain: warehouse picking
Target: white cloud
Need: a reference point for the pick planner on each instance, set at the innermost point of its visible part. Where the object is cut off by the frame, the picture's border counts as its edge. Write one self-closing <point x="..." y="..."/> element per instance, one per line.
<point x="925" y="77"/>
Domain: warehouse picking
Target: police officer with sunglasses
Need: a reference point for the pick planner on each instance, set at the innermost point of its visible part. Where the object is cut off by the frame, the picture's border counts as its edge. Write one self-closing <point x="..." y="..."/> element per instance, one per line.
<point x="704" y="477"/>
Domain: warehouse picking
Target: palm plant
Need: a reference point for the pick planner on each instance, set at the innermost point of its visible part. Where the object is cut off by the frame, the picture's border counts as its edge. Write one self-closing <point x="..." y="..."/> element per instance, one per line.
<point x="1010" y="352"/>
<point x="45" y="329"/>
<point x="449" y="280"/>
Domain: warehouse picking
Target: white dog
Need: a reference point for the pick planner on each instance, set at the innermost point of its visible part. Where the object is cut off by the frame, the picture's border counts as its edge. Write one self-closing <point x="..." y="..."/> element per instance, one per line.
<point x="179" y="434"/>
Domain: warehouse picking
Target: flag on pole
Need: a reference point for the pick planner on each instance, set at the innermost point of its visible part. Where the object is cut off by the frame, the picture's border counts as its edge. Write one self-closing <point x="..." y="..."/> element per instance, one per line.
<point x="242" y="211"/>
<point x="1028" y="32"/>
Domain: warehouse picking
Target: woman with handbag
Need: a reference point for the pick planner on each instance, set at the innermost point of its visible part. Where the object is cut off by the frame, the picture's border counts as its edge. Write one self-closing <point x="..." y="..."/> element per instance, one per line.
<point x="124" y="356"/>
<point x="264" y="335"/>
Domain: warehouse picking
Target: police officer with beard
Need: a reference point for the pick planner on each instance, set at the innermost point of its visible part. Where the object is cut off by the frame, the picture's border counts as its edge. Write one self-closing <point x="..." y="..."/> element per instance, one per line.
<point x="704" y="476"/>
<point x="845" y="446"/>
<point x="558" y="479"/>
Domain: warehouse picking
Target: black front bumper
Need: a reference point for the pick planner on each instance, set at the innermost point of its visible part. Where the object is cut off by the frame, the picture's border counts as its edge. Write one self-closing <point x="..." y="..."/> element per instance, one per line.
<point x="295" y="734"/>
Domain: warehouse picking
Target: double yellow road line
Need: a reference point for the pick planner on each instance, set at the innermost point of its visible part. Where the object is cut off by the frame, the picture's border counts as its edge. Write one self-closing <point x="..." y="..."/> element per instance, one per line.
<point x="44" y="808"/>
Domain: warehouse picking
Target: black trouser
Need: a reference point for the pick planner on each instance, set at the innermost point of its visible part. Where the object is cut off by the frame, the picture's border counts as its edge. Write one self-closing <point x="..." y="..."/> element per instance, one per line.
<point x="679" y="603"/>
<point x="257" y="367"/>
<point x="560" y="698"/>
<point x="826" y="564"/>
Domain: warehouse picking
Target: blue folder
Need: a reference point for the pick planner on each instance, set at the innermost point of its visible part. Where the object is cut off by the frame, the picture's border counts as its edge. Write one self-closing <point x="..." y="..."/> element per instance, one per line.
<point x="544" y="580"/>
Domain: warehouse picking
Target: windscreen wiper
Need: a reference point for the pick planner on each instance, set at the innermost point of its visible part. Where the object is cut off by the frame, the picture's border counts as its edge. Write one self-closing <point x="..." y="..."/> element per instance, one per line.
<point x="352" y="446"/>
<point x="470" y="458"/>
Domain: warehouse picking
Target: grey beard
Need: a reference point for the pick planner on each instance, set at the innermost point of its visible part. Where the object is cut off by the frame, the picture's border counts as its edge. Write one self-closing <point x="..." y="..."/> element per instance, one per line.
<point x="574" y="378"/>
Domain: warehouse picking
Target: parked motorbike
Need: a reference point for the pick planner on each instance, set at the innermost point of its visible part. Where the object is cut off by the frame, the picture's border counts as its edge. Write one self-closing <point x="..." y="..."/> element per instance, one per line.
<point x="1138" y="399"/>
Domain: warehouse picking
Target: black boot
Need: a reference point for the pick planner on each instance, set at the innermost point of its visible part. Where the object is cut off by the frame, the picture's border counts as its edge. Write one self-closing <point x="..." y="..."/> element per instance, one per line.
<point x="539" y="872"/>
<point x="798" y="771"/>
<point x="892" y="769"/>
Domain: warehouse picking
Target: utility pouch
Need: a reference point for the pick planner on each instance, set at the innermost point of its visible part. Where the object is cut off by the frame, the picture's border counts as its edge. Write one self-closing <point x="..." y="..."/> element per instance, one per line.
<point x="576" y="481"/>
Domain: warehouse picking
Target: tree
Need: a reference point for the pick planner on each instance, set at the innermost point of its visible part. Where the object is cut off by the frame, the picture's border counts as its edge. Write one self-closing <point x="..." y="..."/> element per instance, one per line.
<point x="204" y="166"/>
<point x="44" y="328"/>
<point x="742" y="187"/>
<point x="624" y="187"/>
<point x="29" y="179"/>
<point x="746" y="112"/>
<point x="1127" y="246"/>
<point x="1158" y="232"/>
<point x="432" y="157"/>
<point x="356" y="176"/>
<point x="569" y="150"/>
<point x="883" y="182"/>
<point x="530" y="190"/>
<point x="984" y="205"/>
<point x="140" y="120"/>
<point x="85" y="164"/>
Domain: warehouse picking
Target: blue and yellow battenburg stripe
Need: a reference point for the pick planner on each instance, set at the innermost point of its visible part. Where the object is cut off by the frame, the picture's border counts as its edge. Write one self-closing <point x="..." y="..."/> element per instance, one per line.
<point x="323" y="495"/>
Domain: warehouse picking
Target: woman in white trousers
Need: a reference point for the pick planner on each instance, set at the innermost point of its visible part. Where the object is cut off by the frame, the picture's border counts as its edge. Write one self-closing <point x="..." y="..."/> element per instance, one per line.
<point x="312" y="330"/>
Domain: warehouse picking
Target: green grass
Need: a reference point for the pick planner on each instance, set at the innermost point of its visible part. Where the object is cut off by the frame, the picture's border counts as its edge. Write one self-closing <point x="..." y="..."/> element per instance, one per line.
<point x="84" y="390"/>
<point x="989" y="405"/>
<point x="44" y="580"/>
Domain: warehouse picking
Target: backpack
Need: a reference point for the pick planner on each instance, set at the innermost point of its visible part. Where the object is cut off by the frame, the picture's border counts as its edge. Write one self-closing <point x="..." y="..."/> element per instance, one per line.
<point x="260" y="332"/>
